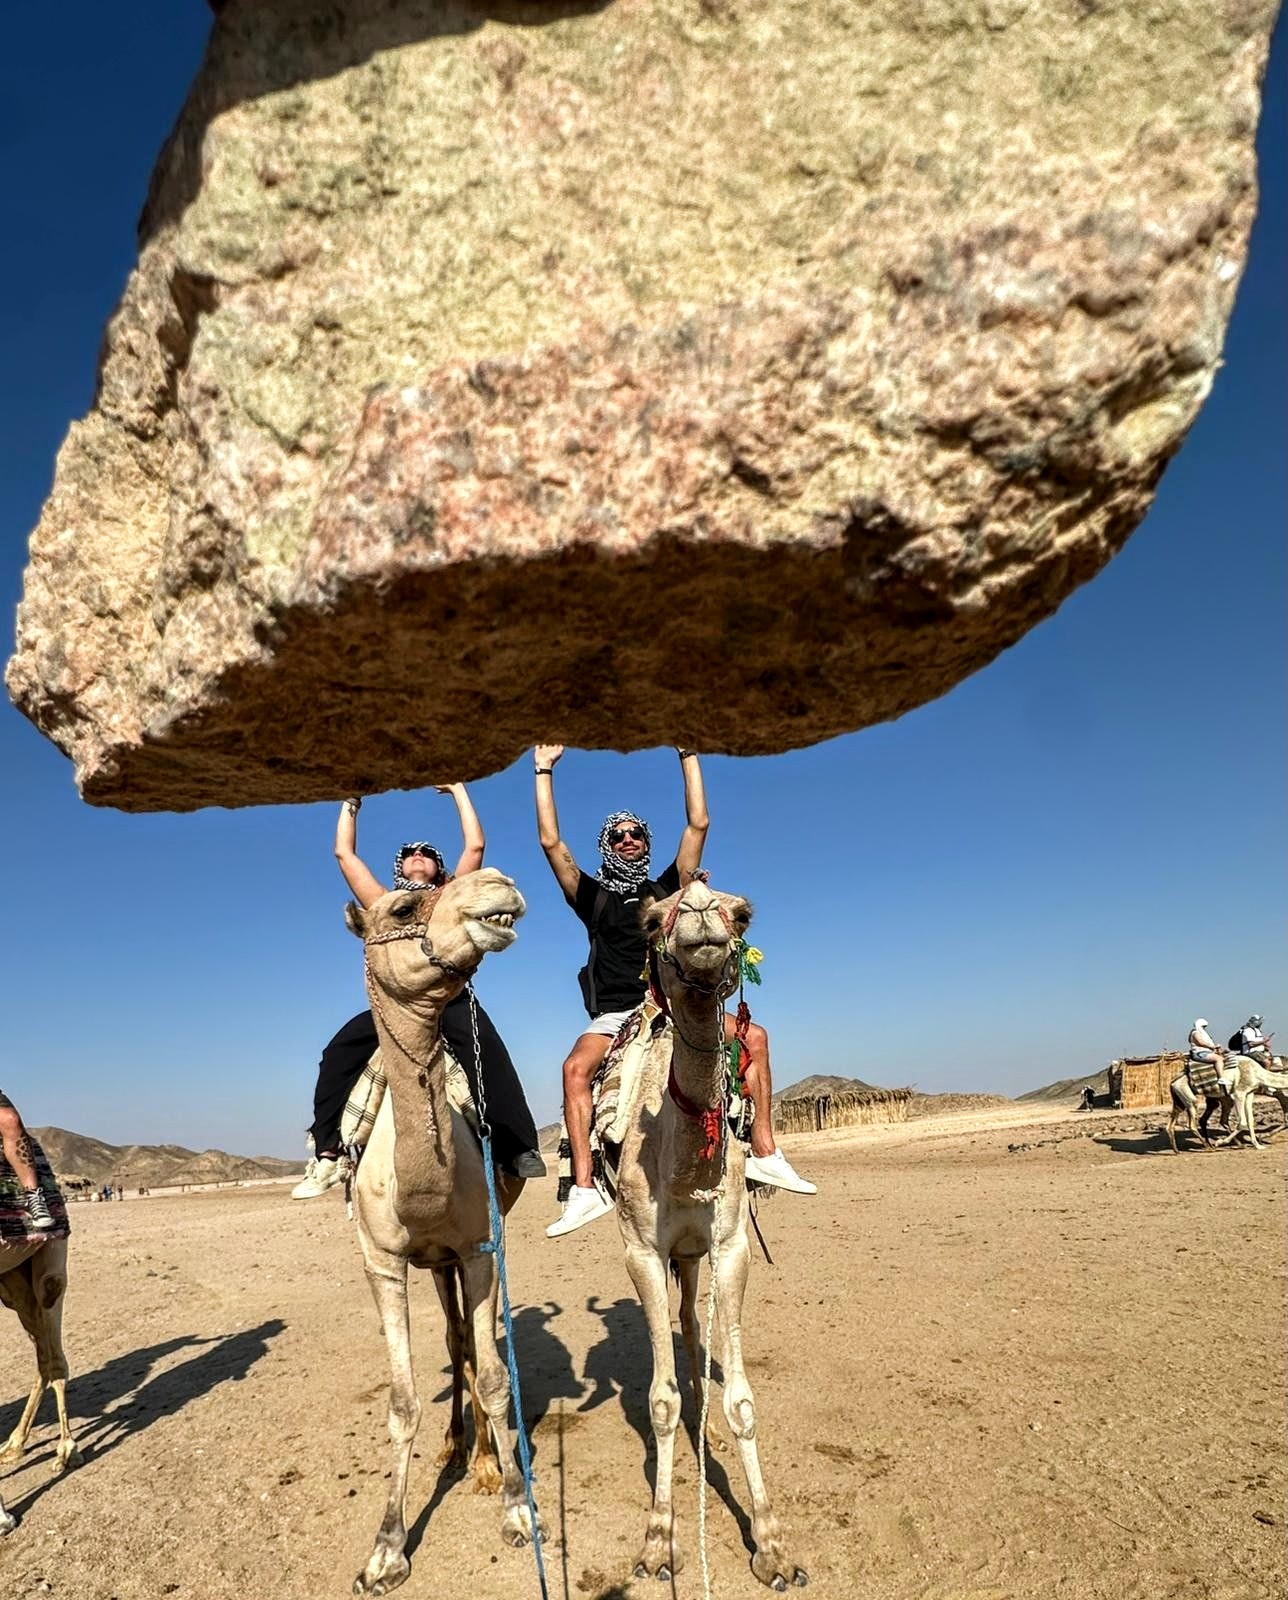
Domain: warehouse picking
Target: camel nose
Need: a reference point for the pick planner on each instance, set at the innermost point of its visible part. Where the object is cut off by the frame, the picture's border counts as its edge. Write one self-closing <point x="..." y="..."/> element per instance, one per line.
<point x="697" y="897"/>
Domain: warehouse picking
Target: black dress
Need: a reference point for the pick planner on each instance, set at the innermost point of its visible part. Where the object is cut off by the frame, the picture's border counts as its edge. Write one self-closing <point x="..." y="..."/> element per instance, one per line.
<point x="513" y="1130"/>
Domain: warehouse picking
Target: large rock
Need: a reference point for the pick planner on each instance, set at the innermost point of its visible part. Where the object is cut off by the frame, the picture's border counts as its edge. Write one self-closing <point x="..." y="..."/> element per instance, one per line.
<point x="729" y="372"/>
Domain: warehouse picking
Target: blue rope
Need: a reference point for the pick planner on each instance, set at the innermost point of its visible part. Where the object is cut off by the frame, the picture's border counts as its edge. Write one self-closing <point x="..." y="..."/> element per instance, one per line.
<point x="496" y="1246"/>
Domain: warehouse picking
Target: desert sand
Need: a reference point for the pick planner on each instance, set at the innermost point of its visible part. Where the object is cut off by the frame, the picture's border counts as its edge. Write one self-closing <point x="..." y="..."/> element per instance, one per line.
<point x="1017" y="1353"/>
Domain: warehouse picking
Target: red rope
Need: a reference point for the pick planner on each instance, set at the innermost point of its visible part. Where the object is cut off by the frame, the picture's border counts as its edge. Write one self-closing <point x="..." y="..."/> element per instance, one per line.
<point x="709" y="1117"/>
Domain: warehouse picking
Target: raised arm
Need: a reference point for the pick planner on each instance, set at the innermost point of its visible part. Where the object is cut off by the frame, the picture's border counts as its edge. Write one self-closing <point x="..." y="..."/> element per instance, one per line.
<point x="688" y="858"/>
<point x="473" y="839"/>
<point x="558" y="854"/>
<point x="366" y="888"/>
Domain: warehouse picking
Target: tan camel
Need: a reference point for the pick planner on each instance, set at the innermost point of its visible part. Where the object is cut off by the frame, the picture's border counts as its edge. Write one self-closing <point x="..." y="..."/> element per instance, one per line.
<point x="420" y="1194"/>
<point x="682" y="1196"/>
<point x="33" y="1280"/>
<point x="1185" y="1104"/>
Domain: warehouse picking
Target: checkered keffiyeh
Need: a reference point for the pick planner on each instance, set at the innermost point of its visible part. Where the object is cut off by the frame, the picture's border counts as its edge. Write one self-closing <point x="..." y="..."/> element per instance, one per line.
<point x="614" y="873"/>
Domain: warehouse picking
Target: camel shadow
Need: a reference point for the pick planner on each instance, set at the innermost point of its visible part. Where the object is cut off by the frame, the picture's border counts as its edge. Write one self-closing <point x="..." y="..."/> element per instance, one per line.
<point x="1151" y="1143"/>
<point x="143" y="1400"/>
<point x="261" y="50"/>
<point x="625" y="1348"/>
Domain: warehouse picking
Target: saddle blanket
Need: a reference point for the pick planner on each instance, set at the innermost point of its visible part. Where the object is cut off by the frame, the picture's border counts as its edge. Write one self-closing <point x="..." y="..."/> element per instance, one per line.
<point x="1205" y="1078"/>
<point x="15" y="1225"/>
<point x="367" y="1094"/>
<point x="614" y="1091"/>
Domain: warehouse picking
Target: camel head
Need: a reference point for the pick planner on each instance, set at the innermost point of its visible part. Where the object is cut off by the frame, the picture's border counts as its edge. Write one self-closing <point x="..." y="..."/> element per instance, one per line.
<point x="697" y="935"/>
<point x="423" y="944"/>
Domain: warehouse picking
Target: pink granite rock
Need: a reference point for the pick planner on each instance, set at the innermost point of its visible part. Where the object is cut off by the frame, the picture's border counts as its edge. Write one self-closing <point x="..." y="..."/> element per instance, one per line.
<point x="734" y="373"/>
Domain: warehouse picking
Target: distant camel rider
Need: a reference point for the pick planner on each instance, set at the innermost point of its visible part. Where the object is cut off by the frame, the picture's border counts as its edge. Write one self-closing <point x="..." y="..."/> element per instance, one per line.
<point x="1203" y="1047"/>
<point x="1251" y="1041"/>
<point x="613" y="982"/>
<point x="20" y="1155"/>
<point x="418" y="865"/>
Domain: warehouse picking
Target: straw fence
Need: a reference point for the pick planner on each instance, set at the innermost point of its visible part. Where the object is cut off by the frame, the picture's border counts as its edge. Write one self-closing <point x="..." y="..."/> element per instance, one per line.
<point x="807" y="1113"/>
<point x="1138" y="1081"/>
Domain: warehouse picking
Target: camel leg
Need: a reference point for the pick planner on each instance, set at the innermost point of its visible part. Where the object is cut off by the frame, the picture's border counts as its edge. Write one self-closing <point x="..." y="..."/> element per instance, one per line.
<point x="16" y="1443"/>
<point x="484" y="1465"/>
<point x="491" y="1383"/>
<point x="388" y="1566"/>
<point x="771" y="1563"/>
<point x="689" y="1325"/>
<point x="661" y="1555"/>
<point x="68" y="1449"/>
<point x="454" y="1452"/>
<point x="7" y="1523"/>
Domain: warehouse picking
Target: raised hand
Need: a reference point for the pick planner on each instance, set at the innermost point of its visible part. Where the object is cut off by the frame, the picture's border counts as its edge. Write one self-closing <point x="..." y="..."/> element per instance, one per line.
<point x="545" y="755"/>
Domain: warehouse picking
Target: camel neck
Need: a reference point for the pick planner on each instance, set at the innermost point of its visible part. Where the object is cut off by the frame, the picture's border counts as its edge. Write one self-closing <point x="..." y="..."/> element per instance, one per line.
<point x="698" y="1068"/>
<point x="411" y="1052"/>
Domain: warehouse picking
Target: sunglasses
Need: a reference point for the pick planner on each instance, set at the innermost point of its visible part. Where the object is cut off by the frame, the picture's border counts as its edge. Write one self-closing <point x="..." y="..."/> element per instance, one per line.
<point x="618" y="834"/>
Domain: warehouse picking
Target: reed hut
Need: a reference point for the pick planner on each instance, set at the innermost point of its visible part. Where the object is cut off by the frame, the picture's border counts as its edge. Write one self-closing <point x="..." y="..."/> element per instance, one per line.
<point x="1143" y="1081"/>
<point x="846" y="1108"/>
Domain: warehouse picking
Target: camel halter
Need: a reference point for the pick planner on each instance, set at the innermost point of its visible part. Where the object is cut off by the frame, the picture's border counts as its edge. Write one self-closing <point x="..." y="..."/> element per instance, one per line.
<point x="413" y="930"/>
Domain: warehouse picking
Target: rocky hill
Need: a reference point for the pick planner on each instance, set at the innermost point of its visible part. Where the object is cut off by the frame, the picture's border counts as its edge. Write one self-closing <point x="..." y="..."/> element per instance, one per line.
<point x="1069" y="1088"/>
<point x="156" y="1166"/>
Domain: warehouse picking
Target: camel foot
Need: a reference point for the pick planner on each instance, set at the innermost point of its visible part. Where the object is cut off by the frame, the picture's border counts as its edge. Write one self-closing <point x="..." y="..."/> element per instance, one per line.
<point x="516" y="1527"/>
<point x="661" y="1556"/>
<point x="7" y="1523"/>
<point x="487" y="1476"/>
<point x="384" y="1572"/>
<point x="776" y="1570"/>
<point x="69" y="1456"/>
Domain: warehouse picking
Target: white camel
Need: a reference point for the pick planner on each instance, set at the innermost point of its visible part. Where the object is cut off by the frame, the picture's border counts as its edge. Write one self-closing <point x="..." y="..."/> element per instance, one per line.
<point x="420" y="1192"/>
<point x="33" y="1281"/>
<point x="682" y="1196"/>
<point x="1253" y="1078"/>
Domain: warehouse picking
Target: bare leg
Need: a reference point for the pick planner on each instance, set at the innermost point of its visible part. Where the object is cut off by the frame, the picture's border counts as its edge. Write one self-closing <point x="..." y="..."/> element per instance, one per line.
<point x="661" y="1555"/>
<point x="578" y="1071"/>
<point x="388" y="1566"/>
<point x="492" y="1384"/>
<point x="18" y="1151"/>
<point x="760" y="1082"/>
<point x="771" y="1563"/>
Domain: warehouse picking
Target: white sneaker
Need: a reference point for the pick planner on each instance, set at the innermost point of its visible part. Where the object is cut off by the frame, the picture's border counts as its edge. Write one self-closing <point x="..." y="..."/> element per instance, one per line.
<point x="321" y="1173"/>
<point x="37" y="1209"/>
<point x="581" y="1206"/>
<point x="778" y="1172"/>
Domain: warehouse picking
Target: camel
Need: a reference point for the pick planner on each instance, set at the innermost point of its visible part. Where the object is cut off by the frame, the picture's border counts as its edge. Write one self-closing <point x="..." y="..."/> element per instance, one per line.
<point x="1240" y="1081"/>
<point x="420" y="1193"/>
<point x="1252" y="1078"/>
<point x="33" y="1280"/>
<point x="1185" y="1103"/>
<point x="681" y="1195"/>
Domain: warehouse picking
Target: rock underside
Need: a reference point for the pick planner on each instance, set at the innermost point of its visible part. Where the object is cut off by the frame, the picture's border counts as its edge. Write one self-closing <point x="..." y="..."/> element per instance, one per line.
<point x="734" y="373"/>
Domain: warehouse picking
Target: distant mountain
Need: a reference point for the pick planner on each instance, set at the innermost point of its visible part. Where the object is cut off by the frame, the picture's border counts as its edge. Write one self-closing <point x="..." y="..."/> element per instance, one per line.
<point x="821" y="1083"/>
<point x="158" y="1166"/>
<point x="1069" y="1088"/>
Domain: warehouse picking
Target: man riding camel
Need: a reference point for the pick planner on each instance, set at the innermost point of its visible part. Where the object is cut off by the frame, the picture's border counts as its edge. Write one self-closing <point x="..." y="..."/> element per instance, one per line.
<point x="613" y="982"/>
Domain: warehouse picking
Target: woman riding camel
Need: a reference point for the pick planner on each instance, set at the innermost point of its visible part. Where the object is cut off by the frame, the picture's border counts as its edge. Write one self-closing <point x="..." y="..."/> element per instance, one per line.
<point x="418" y="865"/>
<point x="612" y="981"/>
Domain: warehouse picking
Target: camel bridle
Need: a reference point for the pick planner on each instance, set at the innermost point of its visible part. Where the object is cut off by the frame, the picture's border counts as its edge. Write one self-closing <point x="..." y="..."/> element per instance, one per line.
<point x="449" y="969"/>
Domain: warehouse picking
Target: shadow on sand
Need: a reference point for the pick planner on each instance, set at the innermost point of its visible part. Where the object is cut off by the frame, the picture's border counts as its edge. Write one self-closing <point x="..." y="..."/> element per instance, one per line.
<point x="118" y="1400"/>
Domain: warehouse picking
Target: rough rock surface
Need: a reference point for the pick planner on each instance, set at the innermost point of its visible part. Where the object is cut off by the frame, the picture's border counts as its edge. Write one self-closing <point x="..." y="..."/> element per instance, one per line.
<point x="729" y="372"/>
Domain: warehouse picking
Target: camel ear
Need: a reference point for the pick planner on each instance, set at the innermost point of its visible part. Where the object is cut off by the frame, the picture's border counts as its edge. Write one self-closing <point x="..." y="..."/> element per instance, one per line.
<point x="355" y="919"/>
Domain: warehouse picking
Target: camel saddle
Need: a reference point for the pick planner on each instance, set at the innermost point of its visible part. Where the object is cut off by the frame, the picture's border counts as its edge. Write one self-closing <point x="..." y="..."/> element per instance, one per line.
<point x="1205" y="1078"/>
<point x="366" y="1095"/>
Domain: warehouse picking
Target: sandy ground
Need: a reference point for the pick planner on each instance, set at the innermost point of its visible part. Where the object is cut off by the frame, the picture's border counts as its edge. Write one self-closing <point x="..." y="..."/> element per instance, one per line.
<point x="997" y="1357"/>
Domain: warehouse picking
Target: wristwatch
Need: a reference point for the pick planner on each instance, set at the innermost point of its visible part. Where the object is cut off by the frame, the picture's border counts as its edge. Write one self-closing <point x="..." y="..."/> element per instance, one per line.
<point x="543" y="772"/>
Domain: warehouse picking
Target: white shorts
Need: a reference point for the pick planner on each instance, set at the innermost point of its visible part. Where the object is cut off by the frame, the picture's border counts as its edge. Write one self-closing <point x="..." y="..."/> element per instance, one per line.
<point x="609" y="1023"/>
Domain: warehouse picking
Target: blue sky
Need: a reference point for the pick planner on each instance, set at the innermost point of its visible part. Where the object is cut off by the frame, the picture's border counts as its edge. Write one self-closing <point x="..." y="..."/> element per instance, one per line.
<point x="1009" y="886"/>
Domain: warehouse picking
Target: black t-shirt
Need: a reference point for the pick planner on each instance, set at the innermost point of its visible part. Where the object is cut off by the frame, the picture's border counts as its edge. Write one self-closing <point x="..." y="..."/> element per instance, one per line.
<point x="617" y="948"/>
